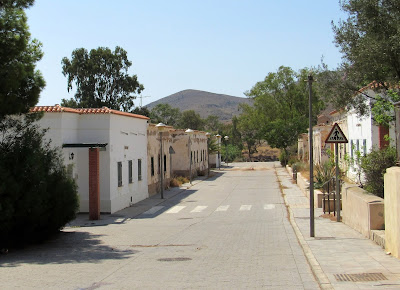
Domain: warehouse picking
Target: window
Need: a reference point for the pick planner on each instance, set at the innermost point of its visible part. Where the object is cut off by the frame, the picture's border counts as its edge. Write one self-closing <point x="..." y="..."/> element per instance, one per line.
<point x="152" y="166"/>
<point x="197" y="160"/>
<point x="139" y="169"/>
<point x="130" y="171"/>
<point x="119" y="164"/>
<point x="358" y="145"/>
<point x="165" y="163"/>
<point x="191" y="156"/>
<point x="365" y="146"/>
<point x="201" y="156"/>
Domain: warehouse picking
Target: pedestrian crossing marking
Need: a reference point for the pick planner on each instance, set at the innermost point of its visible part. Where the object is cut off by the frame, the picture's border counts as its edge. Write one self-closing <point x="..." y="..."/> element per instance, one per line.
<point x="222" y="208"/>
<point x="269" y="206"/>
<point x="176" y="209"/>
<point x="153" y="210"/>
<point x="245" y="207"/>
<point x="199" y="208"/>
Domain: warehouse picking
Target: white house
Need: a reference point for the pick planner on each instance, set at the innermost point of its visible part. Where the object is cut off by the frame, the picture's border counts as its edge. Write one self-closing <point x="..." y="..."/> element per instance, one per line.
<point x="105" y="151"/>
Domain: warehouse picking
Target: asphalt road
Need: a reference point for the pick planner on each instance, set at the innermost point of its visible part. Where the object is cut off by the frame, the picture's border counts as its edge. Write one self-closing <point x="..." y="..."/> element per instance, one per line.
<point x="227" y="232"/>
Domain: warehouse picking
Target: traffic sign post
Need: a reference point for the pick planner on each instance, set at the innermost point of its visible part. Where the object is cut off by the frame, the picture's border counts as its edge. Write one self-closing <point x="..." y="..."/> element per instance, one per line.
<point x="337" y="136"/>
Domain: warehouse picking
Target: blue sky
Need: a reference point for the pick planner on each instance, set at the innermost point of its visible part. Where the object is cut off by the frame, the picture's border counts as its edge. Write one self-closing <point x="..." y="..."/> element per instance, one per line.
<point x="217" y="46"/>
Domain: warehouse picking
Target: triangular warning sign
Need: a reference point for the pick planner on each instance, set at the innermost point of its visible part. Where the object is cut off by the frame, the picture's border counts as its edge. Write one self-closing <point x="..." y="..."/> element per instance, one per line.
<point x="336" y="135"/>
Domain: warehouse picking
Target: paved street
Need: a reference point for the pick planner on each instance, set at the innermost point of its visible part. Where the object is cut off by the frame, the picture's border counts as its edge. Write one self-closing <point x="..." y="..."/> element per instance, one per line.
<point x="230" y="231"/>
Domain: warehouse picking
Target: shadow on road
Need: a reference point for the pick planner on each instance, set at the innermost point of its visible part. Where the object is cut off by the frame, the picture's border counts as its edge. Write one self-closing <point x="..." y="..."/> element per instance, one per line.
<point x="67" y="247"/>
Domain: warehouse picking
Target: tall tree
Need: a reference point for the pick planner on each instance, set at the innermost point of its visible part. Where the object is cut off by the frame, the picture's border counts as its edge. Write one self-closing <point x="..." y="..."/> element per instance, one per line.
<point x="191" y="119"/>
<point x="101" y="78"/>
<point x="166" y="114"/>
<point x="249" y="127"/>
<point x="369" y="42"/>
<point x="20" y="82"/>
<point x="281" y="106"/>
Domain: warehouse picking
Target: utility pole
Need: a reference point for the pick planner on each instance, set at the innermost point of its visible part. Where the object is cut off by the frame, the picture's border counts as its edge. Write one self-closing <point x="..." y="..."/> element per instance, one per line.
<point x="311" y="153"/>
<point x="141" y="99"/>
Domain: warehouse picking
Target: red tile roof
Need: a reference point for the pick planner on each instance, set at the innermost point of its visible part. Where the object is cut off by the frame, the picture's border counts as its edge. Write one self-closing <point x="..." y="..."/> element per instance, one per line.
<point x="104" y="110"/>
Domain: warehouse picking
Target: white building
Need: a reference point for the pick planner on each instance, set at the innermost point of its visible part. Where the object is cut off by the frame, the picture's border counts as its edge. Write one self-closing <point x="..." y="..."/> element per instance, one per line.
<point x="105" y="151"/>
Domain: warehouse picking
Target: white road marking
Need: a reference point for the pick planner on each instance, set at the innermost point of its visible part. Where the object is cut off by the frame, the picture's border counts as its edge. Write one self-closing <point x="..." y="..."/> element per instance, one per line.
<point x="269" y="206"/>
<point x="222" y="208"/>
<point x="176" y="209"/>
<point x="245" y="207"/>
<point x="199" y="208"/>
<point x="153" y="210"/>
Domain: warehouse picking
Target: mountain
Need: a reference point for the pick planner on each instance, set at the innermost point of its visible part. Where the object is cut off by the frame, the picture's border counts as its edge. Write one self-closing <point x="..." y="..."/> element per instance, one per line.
<point x="204" y="103"/>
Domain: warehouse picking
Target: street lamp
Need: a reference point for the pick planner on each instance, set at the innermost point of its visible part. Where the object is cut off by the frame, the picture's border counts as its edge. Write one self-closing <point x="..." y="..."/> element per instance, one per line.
<point x="161" y="127"/>
<point x="219" y="153"/>
<point x="208" y="134"/>
<point x="226" y="149"/>
<point x="190" y="132"/>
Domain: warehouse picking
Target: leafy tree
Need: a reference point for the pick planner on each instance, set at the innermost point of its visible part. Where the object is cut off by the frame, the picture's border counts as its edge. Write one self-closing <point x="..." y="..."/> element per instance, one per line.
<point x="212" y="123"/>
<point x="20" y="83"/>
<point x="230" y="152"/>
<point x="166" y="114"/>
<point x="249" y="127"/>
<point x="141" y="111"/>
<point x="101" y="78"/>
<point x="369" y="42"/>
<point x="37" y="198"/>
<point x="191" y="119"/>
<point x="281" y="106"/>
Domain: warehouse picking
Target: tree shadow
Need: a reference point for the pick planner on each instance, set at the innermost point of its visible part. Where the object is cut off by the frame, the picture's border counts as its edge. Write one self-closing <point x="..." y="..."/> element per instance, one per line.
<point x="66" y="247"/>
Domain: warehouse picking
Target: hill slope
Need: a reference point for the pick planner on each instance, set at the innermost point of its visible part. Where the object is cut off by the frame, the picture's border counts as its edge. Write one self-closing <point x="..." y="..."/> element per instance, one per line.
<point x="203" y="103"/>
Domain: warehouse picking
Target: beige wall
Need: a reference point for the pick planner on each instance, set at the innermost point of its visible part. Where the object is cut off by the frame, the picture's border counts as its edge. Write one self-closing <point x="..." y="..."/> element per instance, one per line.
<point x="153" y="152"/>
<point x="361" y="211"/>
<point x="177" y="163"/>
<point x="181" y="160"/>
<point x="392" y="210"/>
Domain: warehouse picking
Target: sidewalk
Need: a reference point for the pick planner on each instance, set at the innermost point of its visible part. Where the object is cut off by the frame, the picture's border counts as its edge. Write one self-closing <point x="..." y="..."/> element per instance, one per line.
<point x="340" y="257"/>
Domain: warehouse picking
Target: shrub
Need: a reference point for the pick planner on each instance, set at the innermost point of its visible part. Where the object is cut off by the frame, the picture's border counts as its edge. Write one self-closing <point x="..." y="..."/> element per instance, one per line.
<point x="37" y="198"/>
<point x="178" y="181"/>
<point x="374" y="166"/>
<point x="283" y="158"/>
<point x="324" y="172"/>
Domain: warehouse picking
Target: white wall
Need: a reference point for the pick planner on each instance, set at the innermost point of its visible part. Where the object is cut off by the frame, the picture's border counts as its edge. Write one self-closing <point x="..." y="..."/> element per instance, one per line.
<point x="127" y="140"/>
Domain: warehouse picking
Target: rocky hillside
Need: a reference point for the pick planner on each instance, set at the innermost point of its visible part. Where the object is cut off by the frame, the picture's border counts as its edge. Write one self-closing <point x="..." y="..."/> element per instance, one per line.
<point x="203" y="103"/>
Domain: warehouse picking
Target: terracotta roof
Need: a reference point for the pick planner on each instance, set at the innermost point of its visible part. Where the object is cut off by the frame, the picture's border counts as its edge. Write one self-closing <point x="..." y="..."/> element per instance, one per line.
<point x="104" y="110"/>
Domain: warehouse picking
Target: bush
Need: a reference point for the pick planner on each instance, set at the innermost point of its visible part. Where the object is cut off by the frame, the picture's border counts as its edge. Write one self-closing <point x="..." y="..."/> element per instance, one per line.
<point x="374" y="166"/>
<point x="324" y="172"/>
<point x="178" y="181"/>
<point x="37" y="198"/>
<point x="283" y="158"/>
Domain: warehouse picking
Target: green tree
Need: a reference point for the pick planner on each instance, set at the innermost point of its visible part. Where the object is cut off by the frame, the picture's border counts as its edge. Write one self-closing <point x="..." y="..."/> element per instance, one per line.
<point x="37" y="198"/>
<point x="20" y="82"/>
<point x="281" y="106"/>
<point x="249" y="127"/>
<point x="101" y="79"/>
<point x="369" y="42"/>
<point x="212" y="123"/>
<point x="166" y="114"/>
<point x="191" y="119"/>
<point x="141" y="111"/>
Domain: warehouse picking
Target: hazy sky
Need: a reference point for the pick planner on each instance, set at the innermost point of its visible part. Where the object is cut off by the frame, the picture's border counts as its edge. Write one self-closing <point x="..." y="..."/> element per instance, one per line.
<point x="217" y="46"/>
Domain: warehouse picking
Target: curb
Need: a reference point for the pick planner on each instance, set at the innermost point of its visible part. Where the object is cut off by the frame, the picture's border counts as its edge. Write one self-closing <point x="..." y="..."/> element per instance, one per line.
<point x="319" y="274"/>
